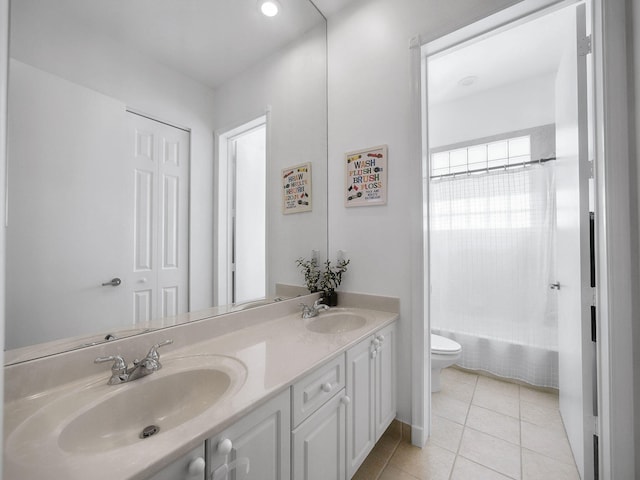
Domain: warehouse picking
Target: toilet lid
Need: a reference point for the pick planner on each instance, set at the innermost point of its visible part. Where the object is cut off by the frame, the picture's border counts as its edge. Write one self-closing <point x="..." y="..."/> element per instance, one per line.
<point x="441" y="344"/>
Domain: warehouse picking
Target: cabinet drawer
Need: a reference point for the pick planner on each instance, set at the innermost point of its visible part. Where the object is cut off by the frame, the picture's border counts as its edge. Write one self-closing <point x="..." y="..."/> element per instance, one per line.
<point x="315" y="389"/>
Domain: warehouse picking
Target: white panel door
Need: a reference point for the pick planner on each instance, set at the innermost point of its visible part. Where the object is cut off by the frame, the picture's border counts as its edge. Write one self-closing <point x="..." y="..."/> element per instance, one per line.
<point x="576" y="351"/>
<point x="158" y="279"/>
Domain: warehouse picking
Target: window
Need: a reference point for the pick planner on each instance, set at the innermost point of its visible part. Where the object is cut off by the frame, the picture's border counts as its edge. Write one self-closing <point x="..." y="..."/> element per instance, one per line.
<point x="507" y="153"/>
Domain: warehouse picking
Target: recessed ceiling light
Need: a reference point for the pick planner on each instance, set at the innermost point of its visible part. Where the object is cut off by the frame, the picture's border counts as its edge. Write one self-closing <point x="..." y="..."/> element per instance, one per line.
<point x="467" y="81"/>
<point x="269" y="8"/>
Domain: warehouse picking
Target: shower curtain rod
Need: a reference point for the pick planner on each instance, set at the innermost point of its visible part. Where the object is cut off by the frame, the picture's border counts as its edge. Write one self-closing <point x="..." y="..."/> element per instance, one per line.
<point x="497" y="167"/>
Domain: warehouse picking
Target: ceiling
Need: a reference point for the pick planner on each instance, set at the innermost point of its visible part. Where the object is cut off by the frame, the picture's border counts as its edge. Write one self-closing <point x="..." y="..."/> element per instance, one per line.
<point x="208" y="40"/>
<point x="214" y="40"/>
<point x="525" y="51"/>
<point x="330" y="7"/>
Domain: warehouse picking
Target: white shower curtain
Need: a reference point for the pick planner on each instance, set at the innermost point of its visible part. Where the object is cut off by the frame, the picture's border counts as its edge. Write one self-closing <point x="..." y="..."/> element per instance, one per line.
<point x="492" y="260"/>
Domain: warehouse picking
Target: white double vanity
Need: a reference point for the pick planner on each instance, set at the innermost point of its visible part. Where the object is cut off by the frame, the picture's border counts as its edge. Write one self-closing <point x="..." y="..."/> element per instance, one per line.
<point x="257" y="394"/>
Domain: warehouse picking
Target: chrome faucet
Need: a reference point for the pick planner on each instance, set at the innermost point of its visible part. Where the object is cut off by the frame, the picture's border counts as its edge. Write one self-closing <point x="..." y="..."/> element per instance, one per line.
<point x="121" y="373"/>
<point x="312" y="311"/>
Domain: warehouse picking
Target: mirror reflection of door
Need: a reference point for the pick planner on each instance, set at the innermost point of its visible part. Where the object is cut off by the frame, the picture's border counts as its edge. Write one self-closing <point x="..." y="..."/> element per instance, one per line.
<point x="247" y="160"/>
<point x="73" y="218"/>
<point x="158" y="282"/>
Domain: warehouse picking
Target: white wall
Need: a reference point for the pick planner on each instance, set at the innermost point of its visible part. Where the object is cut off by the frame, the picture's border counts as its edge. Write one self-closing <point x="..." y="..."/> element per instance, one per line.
<point x="140" y="83"/>
<point x="517" y="106"/>
<point x="370" y="94"/>
<point x="291" y="85"/>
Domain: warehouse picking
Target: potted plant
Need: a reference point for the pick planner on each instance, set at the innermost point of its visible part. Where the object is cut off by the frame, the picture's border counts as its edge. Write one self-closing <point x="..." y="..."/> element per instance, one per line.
<point x="311" y="273"/>
<point x="330" y="280"/>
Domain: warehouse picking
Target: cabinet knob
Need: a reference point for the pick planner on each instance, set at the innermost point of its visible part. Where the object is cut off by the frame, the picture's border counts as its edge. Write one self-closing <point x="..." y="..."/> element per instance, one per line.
<point x="376" y="342"/>
<point x="380" y="338"/>
<point x="196" y="466"/>
<point x="326" y="387"/>
<point x="225" y="446"/>
<point x="374" y="354"/>
<point x="346" y="400"/>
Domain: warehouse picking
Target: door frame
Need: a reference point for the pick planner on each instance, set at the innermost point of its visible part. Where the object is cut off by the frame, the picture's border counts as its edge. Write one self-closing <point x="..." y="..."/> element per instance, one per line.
<point x="4" y="78"/>
<point x="614" y="239"/>
<point x="224" y="191"/>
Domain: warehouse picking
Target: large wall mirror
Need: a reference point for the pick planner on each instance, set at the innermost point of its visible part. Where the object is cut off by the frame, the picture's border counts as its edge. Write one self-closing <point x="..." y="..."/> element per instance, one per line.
<point x="147" y="142"/>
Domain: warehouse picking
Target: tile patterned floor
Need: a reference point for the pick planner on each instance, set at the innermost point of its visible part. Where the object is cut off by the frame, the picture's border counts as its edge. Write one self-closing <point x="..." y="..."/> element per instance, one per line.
<point x="482" y="429"/>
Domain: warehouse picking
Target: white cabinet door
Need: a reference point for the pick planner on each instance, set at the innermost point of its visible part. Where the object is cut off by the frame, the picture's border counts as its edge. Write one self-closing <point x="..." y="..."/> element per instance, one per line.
<point x="371" y="377"/>
<point x="361" y="435"/>
<point x="318" y="444"/>
<point x="385" y="371"/>
<point x="261" y="437"/>
<point x="189" y="467"/>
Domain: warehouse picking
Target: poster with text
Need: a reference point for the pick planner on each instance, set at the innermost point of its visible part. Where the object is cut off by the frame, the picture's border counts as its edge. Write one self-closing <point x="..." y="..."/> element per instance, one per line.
<point x="296" y="189"/>
<point x="366" y="177"/>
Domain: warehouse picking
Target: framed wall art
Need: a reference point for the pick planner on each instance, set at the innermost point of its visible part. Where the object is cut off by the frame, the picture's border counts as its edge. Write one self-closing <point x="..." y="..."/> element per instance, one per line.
<point x="366" y="177"/>
<point x="296" y="188"/>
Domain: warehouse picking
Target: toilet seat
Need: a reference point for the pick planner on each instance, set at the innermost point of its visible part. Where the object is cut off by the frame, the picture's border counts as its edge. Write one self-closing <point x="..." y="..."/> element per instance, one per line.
<point x="444" y="346"/>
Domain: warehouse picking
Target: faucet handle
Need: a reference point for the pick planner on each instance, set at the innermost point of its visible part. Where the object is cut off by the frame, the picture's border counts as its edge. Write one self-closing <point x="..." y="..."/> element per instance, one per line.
<point x="153" y="351"/>
<point x="117" y="360"/>
<point x="119" y="367"/>
<point x="319" y="303"/>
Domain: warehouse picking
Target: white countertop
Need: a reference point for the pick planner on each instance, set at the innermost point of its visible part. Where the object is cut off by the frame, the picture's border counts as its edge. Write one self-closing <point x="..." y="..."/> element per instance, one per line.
<point x="275" y="353"/>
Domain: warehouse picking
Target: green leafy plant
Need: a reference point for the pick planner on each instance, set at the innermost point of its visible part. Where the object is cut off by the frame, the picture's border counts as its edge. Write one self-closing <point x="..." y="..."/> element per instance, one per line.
<point x="332" y="276"/>
<point x="311" y="272"/>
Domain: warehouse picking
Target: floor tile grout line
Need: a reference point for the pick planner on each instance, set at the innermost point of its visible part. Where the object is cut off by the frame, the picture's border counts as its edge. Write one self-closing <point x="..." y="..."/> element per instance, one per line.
<point x="520" y="430"/>
<point x="488" y="468"/>
<point x="464" y="426"/>
<point x="388" y="460"/>
<point x="493" y="436"/>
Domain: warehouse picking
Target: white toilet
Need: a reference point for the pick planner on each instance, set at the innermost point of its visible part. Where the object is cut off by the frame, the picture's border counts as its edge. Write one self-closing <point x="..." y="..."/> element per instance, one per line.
<point x="444" y="352"/>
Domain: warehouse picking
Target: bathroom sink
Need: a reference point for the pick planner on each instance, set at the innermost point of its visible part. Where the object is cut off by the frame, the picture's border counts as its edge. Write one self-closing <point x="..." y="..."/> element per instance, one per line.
<point x="100" y="418"/>
<point x="333" y="321"/>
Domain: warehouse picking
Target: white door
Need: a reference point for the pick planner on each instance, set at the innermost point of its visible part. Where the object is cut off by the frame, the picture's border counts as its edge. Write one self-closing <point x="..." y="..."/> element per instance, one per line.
<point x="158" y="276"/>
<point x="67" y="240"/>
<point x="249" y="224"/>
<point x="576" y="351"/>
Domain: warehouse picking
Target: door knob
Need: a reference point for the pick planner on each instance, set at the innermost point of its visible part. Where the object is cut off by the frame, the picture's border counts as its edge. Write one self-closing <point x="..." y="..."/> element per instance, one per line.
<point x="555" y="286"/>
<point x="114" y="282"/>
